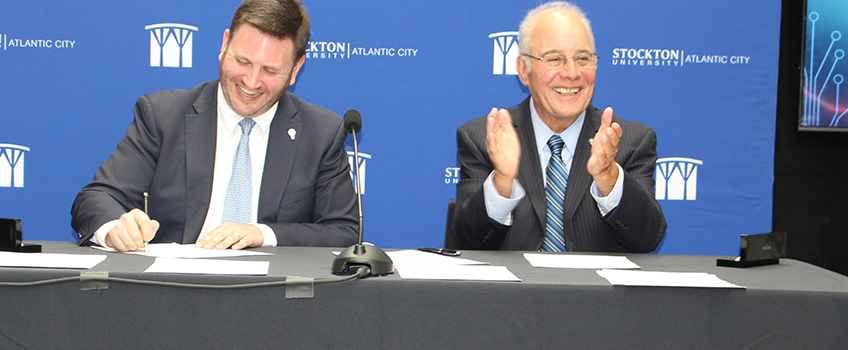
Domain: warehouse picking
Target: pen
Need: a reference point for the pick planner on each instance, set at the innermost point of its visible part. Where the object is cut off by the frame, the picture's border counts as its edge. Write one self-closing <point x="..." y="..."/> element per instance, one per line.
<point x="440" y="251"/>
<point x="145" y="213"/>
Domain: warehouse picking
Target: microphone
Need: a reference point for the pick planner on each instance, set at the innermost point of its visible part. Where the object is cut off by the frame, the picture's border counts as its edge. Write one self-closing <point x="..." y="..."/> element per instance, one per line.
<point x="353" y="123"/>
<point x="374" y="258"/>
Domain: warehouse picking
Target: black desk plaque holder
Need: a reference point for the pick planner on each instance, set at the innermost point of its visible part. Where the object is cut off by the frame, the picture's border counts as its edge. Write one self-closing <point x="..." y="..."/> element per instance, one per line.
<point x="758" y="250"/>
<point x="11" y="238"/>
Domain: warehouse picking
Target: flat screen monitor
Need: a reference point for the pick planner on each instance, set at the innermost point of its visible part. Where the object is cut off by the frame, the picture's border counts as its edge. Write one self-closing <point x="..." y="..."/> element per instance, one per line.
<point x="824" y="101"/>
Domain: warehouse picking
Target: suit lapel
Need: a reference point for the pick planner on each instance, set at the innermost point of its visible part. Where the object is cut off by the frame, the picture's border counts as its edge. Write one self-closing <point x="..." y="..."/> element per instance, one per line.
<point x="200" y="138"/>
<point x="530" y="169"/>
<point x="579" y="179"/>
<point x="279" y="157"/>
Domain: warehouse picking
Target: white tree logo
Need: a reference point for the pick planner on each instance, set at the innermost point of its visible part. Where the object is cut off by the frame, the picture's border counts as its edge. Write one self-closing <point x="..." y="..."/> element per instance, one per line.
<point x="362" y="158"/>
<point x="677" y="178"/>
<point x="171" y="44"/>
<point x="12" y="170"/>
<point x="505" y="52"/>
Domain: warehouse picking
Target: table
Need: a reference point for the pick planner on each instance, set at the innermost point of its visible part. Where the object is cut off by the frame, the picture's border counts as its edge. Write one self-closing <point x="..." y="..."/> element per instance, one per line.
<point x="792" y="305"/>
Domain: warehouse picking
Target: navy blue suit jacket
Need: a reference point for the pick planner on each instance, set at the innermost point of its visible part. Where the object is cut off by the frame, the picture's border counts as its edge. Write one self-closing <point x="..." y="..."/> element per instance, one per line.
<point x="637" y="224"/>
<point x="306" y="195"/>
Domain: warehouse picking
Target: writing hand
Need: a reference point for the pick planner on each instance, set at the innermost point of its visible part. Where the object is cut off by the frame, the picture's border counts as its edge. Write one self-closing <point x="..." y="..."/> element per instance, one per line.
<point x="131" y="230"/>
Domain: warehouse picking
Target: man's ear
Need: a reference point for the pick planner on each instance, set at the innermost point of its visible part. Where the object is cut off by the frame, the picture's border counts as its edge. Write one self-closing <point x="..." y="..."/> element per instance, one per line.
<point x="296" y="69"/>
<point x="224" y="44"/>
<point x="521" y="66"/>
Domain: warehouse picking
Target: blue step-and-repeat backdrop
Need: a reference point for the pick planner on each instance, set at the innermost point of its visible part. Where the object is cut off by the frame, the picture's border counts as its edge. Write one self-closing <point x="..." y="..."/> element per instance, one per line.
<point x="702" y="74"/>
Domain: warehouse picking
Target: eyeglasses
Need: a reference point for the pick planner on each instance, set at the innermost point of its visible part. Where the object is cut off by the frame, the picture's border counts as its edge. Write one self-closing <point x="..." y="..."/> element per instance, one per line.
<point x="556" y="60"/>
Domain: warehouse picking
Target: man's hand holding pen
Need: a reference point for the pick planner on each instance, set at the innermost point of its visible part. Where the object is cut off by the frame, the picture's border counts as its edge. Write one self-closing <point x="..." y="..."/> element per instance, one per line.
<point x="132" y="231"/>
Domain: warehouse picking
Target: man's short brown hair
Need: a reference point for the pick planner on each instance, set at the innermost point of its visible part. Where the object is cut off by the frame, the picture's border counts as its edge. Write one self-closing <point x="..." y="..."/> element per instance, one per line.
<point x="278" y="18"/>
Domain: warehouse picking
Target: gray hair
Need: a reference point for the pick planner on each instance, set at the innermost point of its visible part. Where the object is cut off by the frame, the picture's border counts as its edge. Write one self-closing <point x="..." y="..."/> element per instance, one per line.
<point x="526" y="25"/>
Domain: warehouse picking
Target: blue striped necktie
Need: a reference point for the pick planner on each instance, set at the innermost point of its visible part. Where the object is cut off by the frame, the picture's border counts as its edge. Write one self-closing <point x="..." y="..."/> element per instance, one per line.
<point x="237" y="205"/>
<point x="556" y="179"/>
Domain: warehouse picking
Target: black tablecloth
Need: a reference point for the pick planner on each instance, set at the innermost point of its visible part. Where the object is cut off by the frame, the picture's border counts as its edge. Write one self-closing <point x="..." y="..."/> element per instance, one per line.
<point x="792" y="305"/>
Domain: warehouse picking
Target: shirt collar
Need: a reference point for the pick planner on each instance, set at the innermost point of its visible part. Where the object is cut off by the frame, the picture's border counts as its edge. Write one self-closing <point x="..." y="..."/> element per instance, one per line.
<point x="570" y="136"/>
<point x="229" y="119"/>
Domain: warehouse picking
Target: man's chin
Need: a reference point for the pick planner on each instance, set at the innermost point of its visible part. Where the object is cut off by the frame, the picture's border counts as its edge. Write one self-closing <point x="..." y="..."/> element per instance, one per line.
<point x="255" y="108"/>
<point x="572" y="112"/>
<point x="250" y="111"/>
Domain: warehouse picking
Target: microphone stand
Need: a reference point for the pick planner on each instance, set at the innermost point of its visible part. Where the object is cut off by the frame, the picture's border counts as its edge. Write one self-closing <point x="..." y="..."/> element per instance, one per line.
<point x="361" y="255"/>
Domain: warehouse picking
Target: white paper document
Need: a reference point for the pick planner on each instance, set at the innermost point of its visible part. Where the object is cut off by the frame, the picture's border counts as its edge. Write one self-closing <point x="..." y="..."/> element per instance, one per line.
<point x="457" y="273"/>
<point x="665" y="279"/>
<point x="417" y="257"/>
<point x="209" y="267"/>
<point x="414" y="264"/>
<point x="577" y="261"/>
<point x="50" y="260"/>
<point x="174" y="250"/>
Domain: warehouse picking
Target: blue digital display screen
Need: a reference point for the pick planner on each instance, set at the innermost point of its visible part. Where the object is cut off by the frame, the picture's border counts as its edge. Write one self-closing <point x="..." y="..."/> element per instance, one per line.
<point x="824" y="102"/>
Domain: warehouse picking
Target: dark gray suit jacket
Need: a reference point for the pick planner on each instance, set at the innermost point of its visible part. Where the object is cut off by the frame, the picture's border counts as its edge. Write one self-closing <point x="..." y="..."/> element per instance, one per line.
<point x="306" y="194"/>
<point x="636" y="225"/>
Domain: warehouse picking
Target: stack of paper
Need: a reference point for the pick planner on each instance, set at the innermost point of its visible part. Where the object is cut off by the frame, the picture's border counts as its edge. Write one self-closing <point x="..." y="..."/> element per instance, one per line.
<point x="209" y="267"/>
<point x="618" y="270"/>
<point x="174" y="250"/>
<point x="577" y="261"/>
<point x="413" y="264"/>
<point x="665" y="279"/>
<point x="50" y="260"/>
<point x="187" y="259"/>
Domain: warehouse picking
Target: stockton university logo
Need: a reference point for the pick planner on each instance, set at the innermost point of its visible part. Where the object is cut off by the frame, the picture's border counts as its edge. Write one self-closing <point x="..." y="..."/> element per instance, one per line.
<point x="815" y="84"/>
<point x="350" y="160"/>
<point x="505" y="52"/>
<point x="12" y="170"/>
<point x="677" y="179"/>
<point x="171" y="44"/>
<point x="452" y="175"/>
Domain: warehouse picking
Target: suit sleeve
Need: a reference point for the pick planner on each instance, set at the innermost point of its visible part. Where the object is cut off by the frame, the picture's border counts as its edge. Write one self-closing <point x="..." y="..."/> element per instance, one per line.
<point x="332" y="219"/>
<point x="473" y="229"/>
<point x="120" y="181"/>
<point x="638" y="221"/>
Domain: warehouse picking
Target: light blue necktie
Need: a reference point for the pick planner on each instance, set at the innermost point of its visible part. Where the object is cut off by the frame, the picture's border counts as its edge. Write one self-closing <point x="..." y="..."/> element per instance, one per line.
<point x="555" y="183"/>
<point x="237" y="206"/>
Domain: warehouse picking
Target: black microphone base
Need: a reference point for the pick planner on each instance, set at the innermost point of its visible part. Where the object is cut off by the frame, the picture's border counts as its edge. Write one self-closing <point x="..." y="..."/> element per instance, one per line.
<point x="358" y="255"/>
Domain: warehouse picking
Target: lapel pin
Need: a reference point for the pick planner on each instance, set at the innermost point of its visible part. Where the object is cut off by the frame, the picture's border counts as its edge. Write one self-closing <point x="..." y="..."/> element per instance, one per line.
<point x="292" y="132"/>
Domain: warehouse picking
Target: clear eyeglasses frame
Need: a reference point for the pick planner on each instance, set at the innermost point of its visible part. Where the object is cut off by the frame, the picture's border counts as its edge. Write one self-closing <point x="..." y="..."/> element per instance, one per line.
<point x="557" y="60"/>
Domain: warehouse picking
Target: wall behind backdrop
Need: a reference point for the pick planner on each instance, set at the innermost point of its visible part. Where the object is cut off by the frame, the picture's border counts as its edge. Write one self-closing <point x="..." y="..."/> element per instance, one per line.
<point x="704" y="76"/>
<point x="810" y="195"/>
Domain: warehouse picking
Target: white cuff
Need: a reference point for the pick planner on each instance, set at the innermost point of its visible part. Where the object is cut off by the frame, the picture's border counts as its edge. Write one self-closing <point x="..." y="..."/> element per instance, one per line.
<point x="99" y="236"/>
<point x="500" y="208"/>
<point x="610" y="202"/>
<point x="268" y="233"/>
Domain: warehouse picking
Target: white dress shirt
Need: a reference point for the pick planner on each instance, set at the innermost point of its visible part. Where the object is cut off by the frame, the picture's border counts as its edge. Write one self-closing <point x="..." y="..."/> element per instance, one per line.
<point x="229" y="133"/>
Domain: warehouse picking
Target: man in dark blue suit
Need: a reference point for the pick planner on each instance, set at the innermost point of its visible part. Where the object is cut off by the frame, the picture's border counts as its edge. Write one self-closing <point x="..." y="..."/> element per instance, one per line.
<point x="182" y="146"/>
<point x="607" y="164"/>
